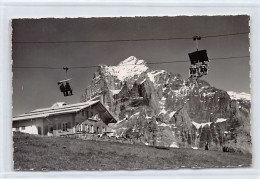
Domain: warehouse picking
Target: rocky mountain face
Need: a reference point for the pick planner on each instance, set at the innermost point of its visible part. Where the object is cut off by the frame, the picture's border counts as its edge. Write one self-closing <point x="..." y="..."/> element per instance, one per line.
<point x="154" y="107"/>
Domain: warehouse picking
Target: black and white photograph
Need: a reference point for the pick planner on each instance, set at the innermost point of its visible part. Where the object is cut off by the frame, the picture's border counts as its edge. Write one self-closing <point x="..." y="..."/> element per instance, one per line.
<point x="131" y="93"/>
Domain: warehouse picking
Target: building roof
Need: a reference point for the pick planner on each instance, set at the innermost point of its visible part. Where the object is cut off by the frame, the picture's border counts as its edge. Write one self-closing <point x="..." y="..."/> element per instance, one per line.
<point x="63" y="108"/>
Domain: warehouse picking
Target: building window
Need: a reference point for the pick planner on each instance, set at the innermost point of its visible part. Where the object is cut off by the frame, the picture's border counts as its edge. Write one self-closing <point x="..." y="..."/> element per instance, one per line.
<point x="39" y="130"/>
<point x="23" y="127"/>
<point x="17" y="128"/>
<point x="64" y="126"/>
<point x="86" y="128"/>
<point x="81" y="127"/>
<point x="83" y="112"/>
<point x="51" y="130"/>
<point x="87" y="114"/>
<point x="95" y="117"/>
<point x="77" y="126"/>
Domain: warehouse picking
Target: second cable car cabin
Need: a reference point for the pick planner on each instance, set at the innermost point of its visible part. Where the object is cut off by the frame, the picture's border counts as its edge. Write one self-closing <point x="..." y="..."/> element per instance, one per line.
<point x="199" y="64"/>
<point x="64" y="85"/>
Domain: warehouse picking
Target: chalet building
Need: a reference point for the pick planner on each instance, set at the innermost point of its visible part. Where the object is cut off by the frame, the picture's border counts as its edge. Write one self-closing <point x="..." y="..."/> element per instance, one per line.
<point x="61" y="119"/>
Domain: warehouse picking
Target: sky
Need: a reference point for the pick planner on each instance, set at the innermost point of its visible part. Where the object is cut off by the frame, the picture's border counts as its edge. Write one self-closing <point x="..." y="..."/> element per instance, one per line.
<point x="37" y="88"/>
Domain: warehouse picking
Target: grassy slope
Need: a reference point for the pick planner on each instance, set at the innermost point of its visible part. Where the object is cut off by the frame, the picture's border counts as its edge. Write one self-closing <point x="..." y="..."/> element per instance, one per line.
<point x="49" y="153"/>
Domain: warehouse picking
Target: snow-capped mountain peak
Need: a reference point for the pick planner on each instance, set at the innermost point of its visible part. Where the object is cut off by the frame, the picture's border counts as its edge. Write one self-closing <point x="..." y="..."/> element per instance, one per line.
<point x="132" y="60"/>
<point x="236" y="96"/>
<point x="128" y="68"/>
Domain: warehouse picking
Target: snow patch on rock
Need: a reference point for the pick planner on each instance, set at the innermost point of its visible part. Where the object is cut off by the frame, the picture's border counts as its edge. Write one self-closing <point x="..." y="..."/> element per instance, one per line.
<point x="201" y="125"/>
<point x="137" y="114"/>
<point x="174" y="145"/>
<point x="236" y="96"/>
<point x="162" y="105"/>
<point x="153" y="74"/>
<point x="172" y="113"/>
<point x="115" y="91"/>
<point x="162" y="124"/>
<point x="143" y="81"/>
<point x="195" y="148"/>
<point x="220" y="120"/>
<point x="163" y="111"/>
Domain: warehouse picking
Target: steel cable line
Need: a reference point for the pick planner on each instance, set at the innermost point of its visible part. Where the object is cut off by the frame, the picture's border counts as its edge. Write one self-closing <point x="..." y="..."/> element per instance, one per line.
<point x="124" y="40"/>
<point x="150" y="63"/>
<point x="224" y="58"/>
<point x="223" y="35"/>
<point x="212" y="59"/>
<point x="39" y="67"/>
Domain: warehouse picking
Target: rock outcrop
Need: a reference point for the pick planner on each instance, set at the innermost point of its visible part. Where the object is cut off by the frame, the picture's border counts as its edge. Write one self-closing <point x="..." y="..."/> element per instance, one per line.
<point x="155" y="107"/>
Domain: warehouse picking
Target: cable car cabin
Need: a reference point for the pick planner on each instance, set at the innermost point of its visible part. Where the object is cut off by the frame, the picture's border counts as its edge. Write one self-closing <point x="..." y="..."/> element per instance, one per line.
<point x="198" y="56"/>
<point x="65" y="89"/>
<point x="199" y="66"/>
